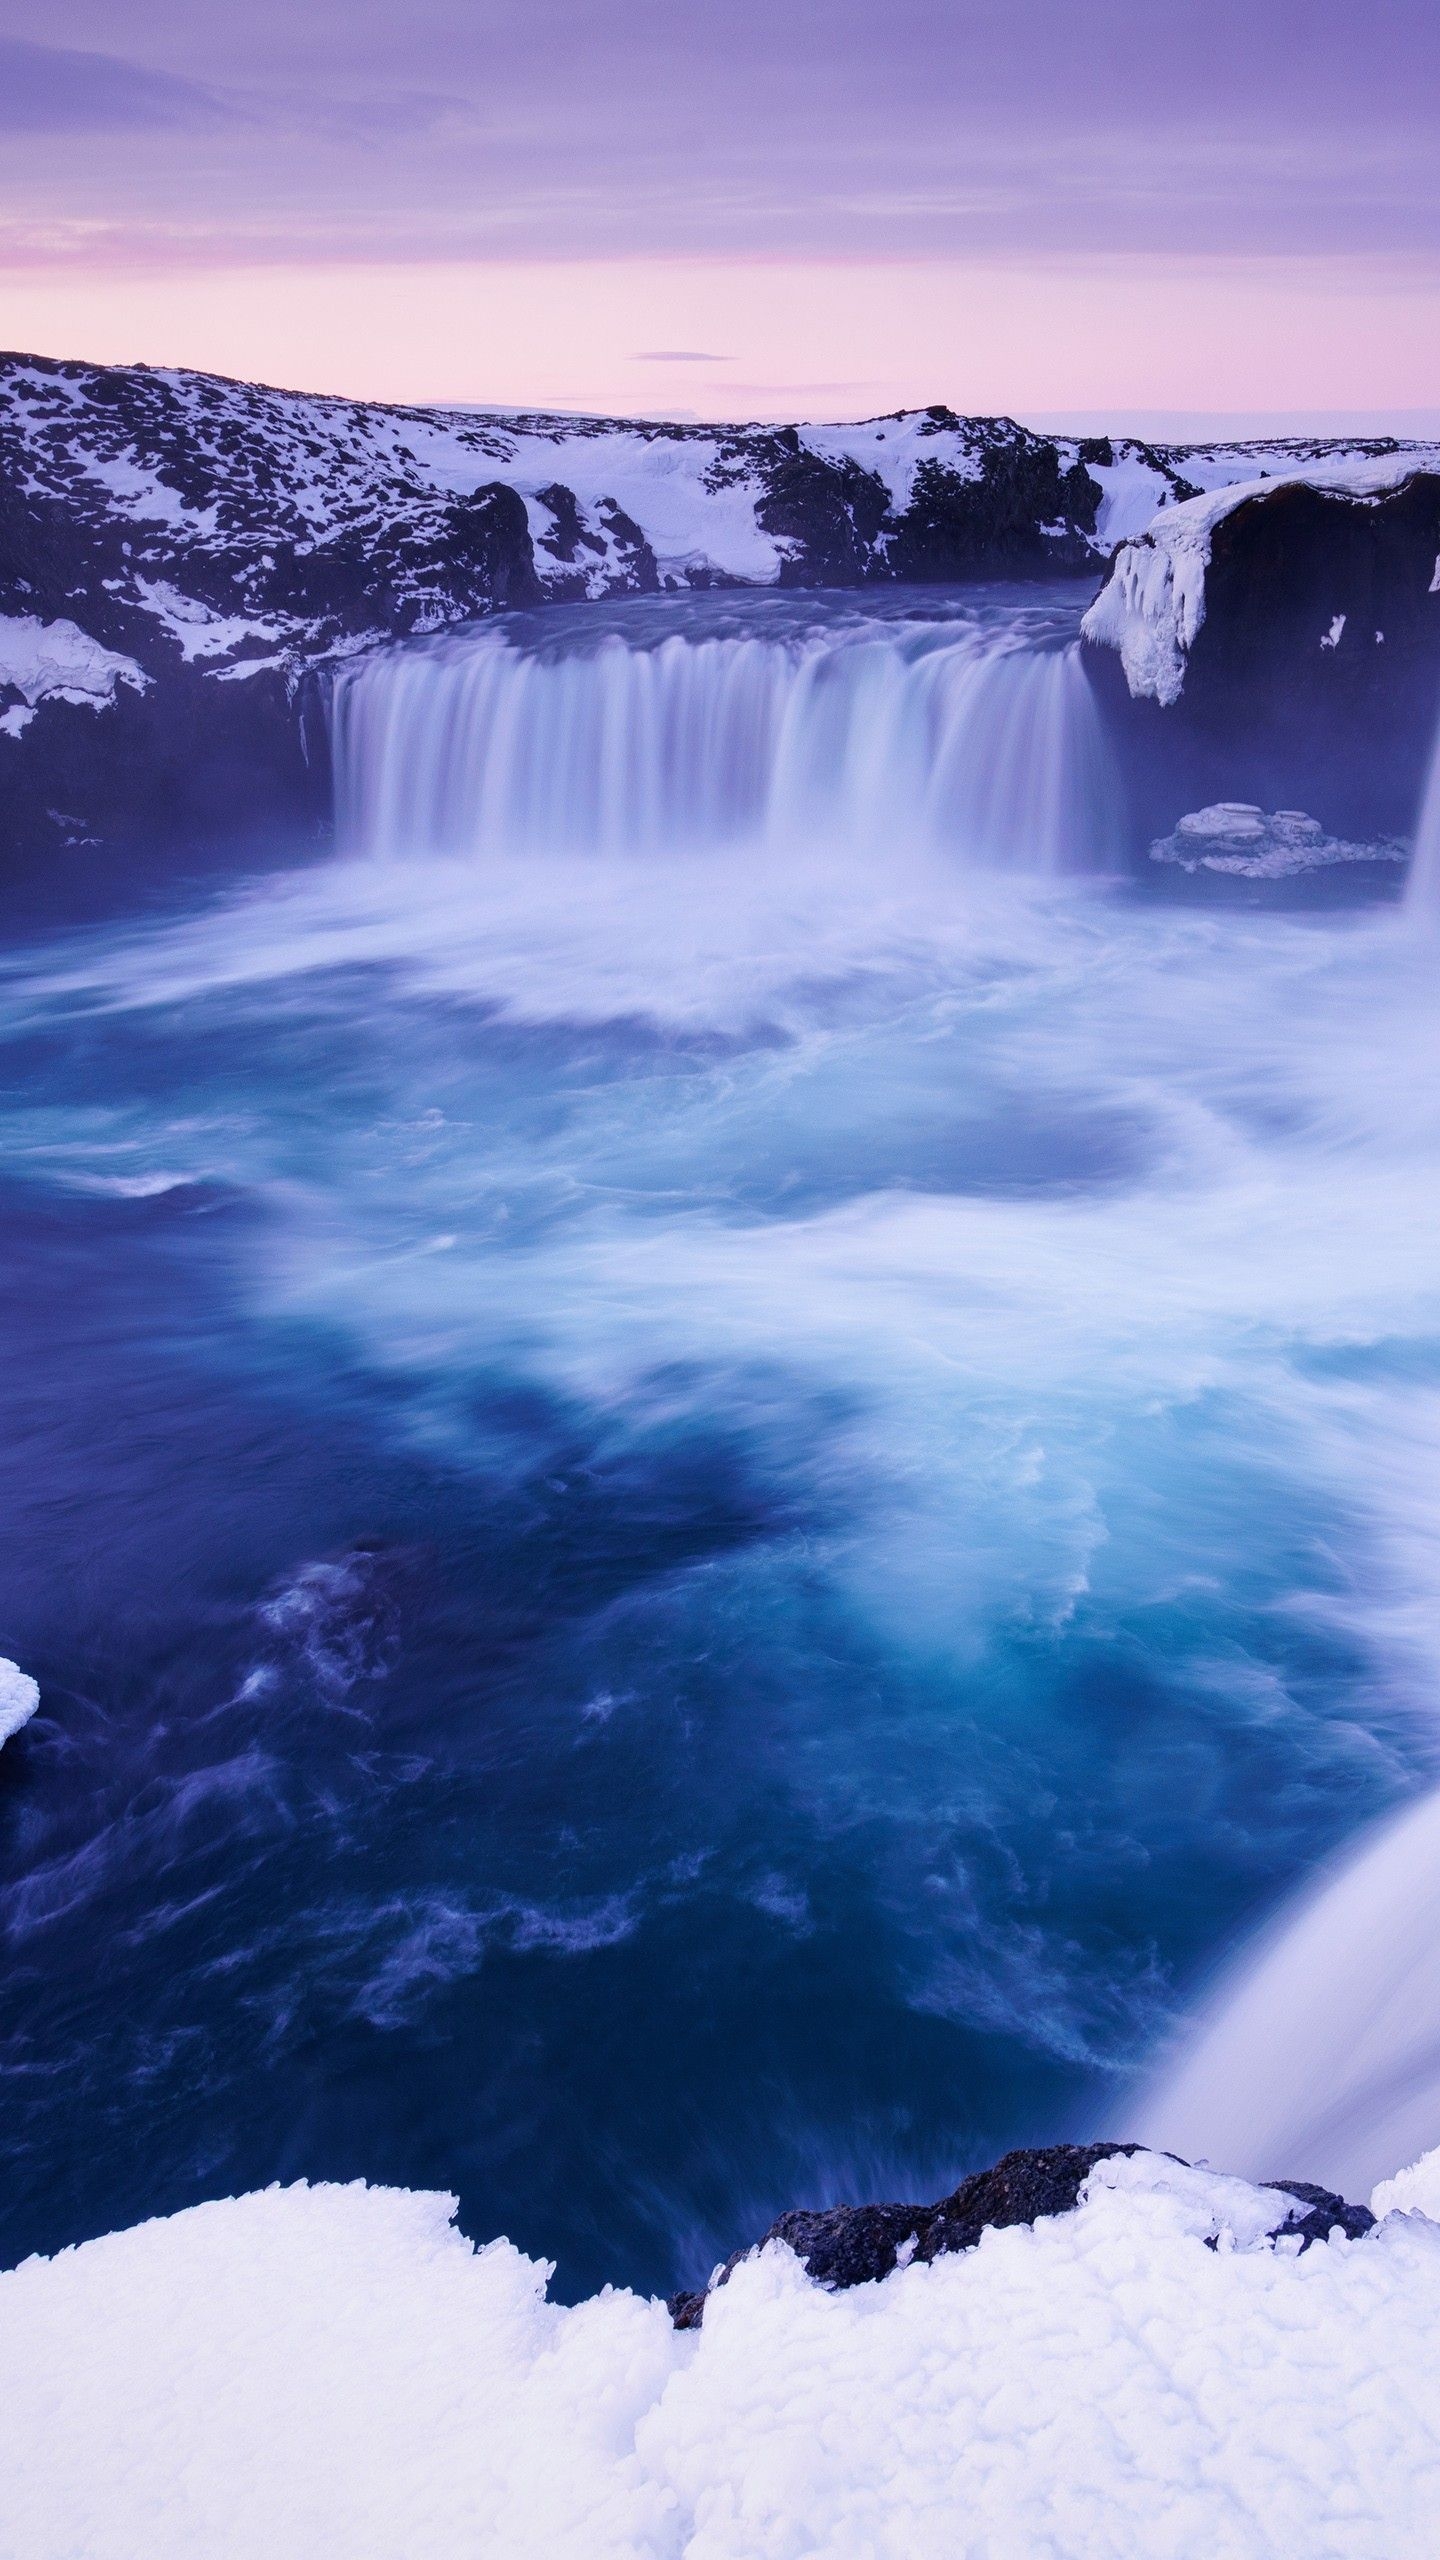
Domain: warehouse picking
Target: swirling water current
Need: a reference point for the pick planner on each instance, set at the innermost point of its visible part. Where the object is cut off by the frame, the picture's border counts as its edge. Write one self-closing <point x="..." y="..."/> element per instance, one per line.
<point x="712" y="1462"/>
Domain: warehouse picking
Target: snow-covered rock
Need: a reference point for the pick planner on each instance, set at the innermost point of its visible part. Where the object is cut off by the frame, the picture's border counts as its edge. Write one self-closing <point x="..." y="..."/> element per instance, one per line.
<point x="1236" y="838"/>
<point x="1153" y="604"/>
<point x="334" y="2371"/>
<point x="1412" y="2190"/>
<point x="19" y="1698"/>
<point x="56" y="662"/>
<point x="1277" y="640"/>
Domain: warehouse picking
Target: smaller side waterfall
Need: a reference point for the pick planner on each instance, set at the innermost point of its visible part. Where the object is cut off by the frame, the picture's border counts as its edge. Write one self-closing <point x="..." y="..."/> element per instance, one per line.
<point x="867" y="737"/>
<point x="1319" y="2056"/>
<point x="1423" y="891"/>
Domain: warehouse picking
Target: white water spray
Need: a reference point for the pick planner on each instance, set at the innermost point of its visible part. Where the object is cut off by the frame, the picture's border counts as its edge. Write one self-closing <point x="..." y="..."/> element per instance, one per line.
<point x="952" y="738"/>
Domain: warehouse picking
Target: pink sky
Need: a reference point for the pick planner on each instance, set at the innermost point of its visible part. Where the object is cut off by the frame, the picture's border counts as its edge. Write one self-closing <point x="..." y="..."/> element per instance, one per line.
<point x="725" y="207"/>
<point x="769" y="338"/>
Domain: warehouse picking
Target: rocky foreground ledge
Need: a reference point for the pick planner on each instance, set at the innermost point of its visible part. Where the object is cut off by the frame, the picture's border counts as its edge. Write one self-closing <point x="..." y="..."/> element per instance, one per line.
<point x="864" y="2243"/>
<point x="1143" y="2360"/>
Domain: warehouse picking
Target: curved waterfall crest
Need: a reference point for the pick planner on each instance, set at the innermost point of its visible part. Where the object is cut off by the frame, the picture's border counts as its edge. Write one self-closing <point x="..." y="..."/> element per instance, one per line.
<point x="967" y="738"/>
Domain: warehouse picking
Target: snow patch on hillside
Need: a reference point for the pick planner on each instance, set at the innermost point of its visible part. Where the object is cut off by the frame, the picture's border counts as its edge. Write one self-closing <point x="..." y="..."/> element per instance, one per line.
<point x="199" y="629"/>
<point x="894" y="448"/>
<point x="334" y="2371"/>
<point x="58" y="662"/>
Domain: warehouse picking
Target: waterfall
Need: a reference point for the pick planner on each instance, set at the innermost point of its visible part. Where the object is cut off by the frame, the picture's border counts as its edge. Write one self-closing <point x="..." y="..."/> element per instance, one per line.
<point x="1319" y="2056"/>
<point x="851" y="735"/>
<point x="1423" y="891"/>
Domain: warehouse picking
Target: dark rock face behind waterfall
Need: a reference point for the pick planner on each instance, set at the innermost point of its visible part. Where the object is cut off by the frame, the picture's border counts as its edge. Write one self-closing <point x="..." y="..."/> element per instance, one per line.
<point x="182" y="559"/>
<point x="1280" y="646"/>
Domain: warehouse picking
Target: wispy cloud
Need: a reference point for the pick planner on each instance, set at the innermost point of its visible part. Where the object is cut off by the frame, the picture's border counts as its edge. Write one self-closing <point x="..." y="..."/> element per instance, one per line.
<point x="48" y="88"/>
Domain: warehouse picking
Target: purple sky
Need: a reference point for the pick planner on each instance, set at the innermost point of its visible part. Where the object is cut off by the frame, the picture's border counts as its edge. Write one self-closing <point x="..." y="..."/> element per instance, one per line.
<point x="1113" y="150"/>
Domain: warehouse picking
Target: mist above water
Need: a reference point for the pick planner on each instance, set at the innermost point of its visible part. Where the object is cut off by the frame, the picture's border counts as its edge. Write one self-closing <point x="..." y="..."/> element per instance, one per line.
<point x="705" y="1514"/>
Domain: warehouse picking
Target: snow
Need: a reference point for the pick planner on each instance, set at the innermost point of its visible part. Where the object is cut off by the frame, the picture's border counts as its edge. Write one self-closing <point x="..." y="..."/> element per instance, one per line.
<point x="333" y="2372"/>
<point x="894" y="448"/>
<point x="1153" y="603"/>
<point x="58" y="662"/>
<point x="141" y="494"/>
<point x="692" y="515"/>
<point x="200" y="630"/>
<point x="1152" y="607"/>
<point x="1134" y="489"/>
<point x="1412" y="2190"/>
<point x="19" y="1698"/>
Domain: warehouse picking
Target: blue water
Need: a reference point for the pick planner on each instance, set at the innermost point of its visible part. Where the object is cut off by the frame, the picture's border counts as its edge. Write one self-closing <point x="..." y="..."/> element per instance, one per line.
<point x="697" y="1525"/>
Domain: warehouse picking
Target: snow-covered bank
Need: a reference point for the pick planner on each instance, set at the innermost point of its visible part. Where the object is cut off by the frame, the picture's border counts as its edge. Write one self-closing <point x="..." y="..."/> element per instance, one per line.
<point x="333" y="2371"/>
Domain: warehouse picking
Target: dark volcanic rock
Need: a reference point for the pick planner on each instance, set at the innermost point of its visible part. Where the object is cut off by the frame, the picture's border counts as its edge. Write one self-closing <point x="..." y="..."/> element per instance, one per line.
<point x="1314" y="677"/>
<point x="1026" y="513"/>
<point x="1323" y="2214"/>
<point x="829" y="515"/>
<point x="859" y="2244"/>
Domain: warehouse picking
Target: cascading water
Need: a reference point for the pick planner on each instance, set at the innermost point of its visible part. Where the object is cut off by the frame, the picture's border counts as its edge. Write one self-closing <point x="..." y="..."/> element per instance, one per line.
<point x="975" y="738"/>
<point x="1423" y="892"/>
<point x="1324" y="2046"/>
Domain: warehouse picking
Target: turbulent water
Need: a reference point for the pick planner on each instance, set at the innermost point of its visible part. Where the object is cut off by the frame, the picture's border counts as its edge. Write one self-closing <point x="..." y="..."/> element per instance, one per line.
<point x="712" y="1463"/>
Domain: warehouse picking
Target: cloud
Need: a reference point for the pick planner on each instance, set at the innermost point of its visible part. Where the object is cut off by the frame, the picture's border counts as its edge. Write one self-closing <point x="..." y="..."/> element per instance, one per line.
<point x="50" y="89"/>
<point x="678" y="355"/>
<point x="470" y="129"/>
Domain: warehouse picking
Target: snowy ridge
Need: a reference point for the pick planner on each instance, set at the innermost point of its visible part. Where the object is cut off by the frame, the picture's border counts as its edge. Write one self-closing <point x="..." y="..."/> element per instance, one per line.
<point x="1153" y="604"/>
<point x="229" y="521"/>
<point x="333" y="2370"/>
<point x="183" y="518"/>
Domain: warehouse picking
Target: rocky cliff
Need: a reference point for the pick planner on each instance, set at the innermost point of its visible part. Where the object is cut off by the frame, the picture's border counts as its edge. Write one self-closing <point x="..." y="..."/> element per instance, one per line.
<point x="1279" y="640"/>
